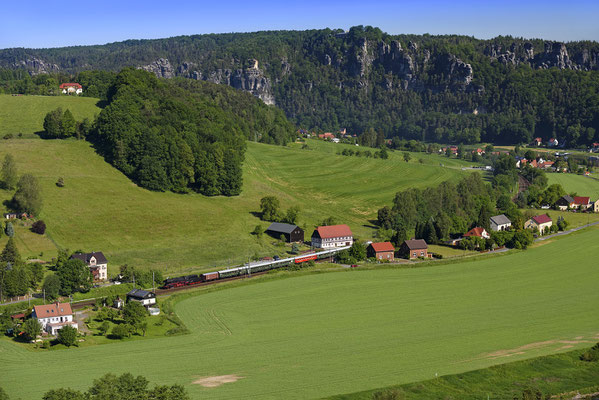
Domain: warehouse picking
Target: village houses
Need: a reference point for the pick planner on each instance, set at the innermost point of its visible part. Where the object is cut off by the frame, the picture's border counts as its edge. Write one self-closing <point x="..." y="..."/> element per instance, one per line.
<point x="53" y="317"/>
<point x="382" y="251"/>
<point x="97" y="263"/>
<point x="331" y="236"/>
<point x="414" y="248"/>
<point x="540" y="222"/>
<point x="500" y="223"/>
<point x="69" y="88"/>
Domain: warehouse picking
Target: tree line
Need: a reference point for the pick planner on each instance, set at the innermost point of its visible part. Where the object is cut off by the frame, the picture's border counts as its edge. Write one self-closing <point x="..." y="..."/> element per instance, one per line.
<point x="121" y="387"/>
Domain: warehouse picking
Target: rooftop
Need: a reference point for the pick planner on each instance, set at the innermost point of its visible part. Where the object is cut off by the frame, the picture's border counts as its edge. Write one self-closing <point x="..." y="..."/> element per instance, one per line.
<point x="501" y="219"/>
<point x="53" y="310"/>
<point x="416" y="244"/>
<point x="382" y="246"/>
<point x="333" y="231"/>
<point x="280" y="227"/>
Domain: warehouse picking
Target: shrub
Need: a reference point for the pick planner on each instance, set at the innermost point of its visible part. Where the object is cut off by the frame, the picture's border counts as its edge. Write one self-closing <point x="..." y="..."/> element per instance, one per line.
<point x="8" y="136"/>
<point x="45" y="344"/>
<point x="39" y="227"/>
<point x="122" y="330"/>
<point x="104" y="328"/>
<point x="60" y="182"/>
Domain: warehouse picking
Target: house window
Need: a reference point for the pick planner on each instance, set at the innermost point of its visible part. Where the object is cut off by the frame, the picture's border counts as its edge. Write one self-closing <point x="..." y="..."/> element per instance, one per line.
<point x="414" y="254"/>
<point x="422" y="254"/>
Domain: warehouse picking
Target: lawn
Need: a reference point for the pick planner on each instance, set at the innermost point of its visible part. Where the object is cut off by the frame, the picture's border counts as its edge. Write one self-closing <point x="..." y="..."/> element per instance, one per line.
<point x="579" y="184"/>
<point x="330" y="333"/>
<point x="25" y="114"/>
<point x="99" y="209"/>
<point x="555" y="374"/>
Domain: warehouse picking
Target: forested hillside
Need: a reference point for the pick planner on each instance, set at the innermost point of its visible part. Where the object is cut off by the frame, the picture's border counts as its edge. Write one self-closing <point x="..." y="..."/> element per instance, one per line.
<point x="182" y="135"/>
<point x="434" y="88"/>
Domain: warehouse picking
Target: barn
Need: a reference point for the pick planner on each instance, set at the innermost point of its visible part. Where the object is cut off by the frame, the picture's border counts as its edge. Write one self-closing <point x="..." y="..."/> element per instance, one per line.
<point x="292" y="233"/>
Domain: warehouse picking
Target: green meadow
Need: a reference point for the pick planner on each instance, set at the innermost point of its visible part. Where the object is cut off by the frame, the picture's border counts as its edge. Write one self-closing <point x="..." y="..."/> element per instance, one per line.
<point x="579" y="184"/>
<point x="99" y="209"/>
<point x="25" y="114"/>
<point x="316" y="335"/>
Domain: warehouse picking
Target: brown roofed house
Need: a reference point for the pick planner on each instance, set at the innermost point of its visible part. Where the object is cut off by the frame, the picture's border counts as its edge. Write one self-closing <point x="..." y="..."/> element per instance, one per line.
<point x="383" y="251"/>
<point x="414" y="248"/>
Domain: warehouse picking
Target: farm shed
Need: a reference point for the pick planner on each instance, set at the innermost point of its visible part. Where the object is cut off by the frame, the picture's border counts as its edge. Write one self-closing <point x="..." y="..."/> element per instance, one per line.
<point x="293" y="233"/>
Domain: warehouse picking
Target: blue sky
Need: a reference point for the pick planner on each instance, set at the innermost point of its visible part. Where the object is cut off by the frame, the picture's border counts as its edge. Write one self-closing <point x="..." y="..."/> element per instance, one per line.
<point x="65" y="23"/>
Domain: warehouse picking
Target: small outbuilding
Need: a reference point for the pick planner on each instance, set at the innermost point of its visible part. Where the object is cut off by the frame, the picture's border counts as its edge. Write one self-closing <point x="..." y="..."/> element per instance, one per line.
<point x="146" y="298"/>
<point x="292" y="233"/>
<point x="414" y="248"/>
<point x="383" y="251"/>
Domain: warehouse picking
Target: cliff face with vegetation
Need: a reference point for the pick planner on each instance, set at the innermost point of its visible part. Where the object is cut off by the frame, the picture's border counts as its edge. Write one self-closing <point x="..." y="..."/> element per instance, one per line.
<point x="437" y="88"/>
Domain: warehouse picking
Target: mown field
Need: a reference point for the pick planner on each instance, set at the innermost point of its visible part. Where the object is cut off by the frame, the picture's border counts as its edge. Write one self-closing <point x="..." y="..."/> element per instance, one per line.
<point x="99" y="209"/>
<point x="579" y="184"/>
<point x="324" y="334"/>
<point x="25" y="114"/>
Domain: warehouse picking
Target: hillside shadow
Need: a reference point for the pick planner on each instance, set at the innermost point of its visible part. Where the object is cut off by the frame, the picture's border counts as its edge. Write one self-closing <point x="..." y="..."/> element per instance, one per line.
<point x="102" y="103"/>
<point x="256" y="214"/>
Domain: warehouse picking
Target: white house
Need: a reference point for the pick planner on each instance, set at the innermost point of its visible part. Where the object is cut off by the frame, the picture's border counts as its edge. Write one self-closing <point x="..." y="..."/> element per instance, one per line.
<point x="541" y="222"/>
<point x="500" y="223"/>
<point x="331" y="236"/>
<point x="54" y="317"/>
<point x="144" y="297"/>
<point x="68" y="88"/>
<point x="96" y="262"/>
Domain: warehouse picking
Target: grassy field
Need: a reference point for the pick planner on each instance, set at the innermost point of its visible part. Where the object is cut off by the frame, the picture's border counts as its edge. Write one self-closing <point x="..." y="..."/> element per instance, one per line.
<point x="99" y="209"/>
<point x="581" y="185"/>
<point x="324" y="334"/>
<point x="25" y="114"/>
<point x="559" y="374"/>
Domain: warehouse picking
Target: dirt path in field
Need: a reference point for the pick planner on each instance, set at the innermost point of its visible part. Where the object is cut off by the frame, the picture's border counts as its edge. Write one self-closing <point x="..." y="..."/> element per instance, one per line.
<point x="216" y="381"/>
<point x="559" y="344"/>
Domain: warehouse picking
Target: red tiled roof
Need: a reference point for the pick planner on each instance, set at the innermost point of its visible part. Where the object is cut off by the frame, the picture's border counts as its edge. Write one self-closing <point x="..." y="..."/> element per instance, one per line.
<point x="583" y="201"/>
<point x="333" y="231"/>
<point x="382" y="246"/>
<point x="52" y="310"/>
<point x="541" y="219"/>
<point x="478" y="231"/>
<point x="66" y="85"/>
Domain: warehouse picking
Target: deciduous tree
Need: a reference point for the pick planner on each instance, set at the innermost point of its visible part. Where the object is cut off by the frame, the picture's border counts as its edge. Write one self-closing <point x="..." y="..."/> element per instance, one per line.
<point x="67" y="335"/>
<point x="32" y="328"/>
<point x="28" y="197"/>
<point x="9" y="172"/>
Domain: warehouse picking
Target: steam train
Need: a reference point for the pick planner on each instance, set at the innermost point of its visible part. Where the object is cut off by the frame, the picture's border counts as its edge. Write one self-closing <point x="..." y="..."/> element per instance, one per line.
<point x="249" y="269"/>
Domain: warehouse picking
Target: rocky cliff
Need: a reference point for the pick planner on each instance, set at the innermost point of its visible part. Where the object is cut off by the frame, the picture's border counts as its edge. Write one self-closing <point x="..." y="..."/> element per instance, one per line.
<point x="251" y="79"/>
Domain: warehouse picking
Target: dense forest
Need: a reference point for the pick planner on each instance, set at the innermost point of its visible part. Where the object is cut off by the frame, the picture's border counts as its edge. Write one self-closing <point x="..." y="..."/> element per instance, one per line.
<point x="180" y="134"/>
<point x="453" y="89"/>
